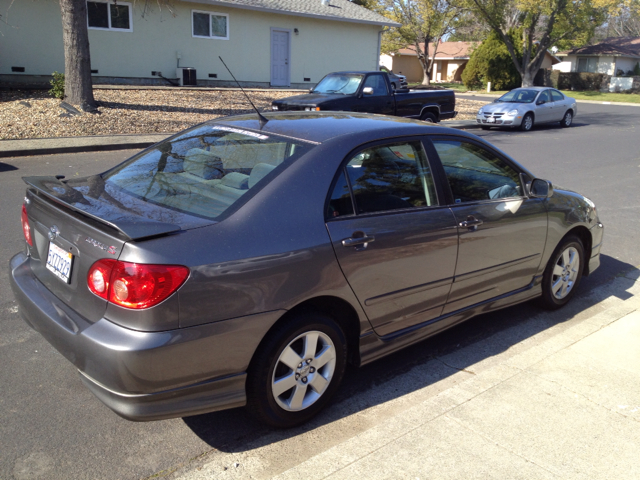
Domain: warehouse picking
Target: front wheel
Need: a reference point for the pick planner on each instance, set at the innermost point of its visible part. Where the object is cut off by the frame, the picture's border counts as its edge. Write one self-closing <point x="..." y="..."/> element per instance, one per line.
<point x="567" y="119"/>
<point x="563" y="273"/>
<point x="297" y="370"/>
<point x="527" y="122"/>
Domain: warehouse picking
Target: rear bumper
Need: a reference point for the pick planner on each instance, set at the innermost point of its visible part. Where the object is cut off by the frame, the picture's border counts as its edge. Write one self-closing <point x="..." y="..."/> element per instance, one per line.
<point x="146" y="375"/>
<point x="448" y="115"/>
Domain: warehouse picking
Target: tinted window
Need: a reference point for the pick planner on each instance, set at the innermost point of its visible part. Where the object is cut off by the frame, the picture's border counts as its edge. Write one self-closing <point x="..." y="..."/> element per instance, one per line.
<point x="475" y="173"/>
<point x="388" y="177"/>
<point x="377" y="83"/>
<point x="544" y="97"/>
<point x="556" y="96"/>
<point x="204" y="170"/>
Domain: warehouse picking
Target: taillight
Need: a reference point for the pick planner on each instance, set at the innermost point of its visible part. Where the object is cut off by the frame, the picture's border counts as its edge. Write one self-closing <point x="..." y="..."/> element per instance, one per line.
<point x="26" y="229"/>
<point x="135" y="285"/>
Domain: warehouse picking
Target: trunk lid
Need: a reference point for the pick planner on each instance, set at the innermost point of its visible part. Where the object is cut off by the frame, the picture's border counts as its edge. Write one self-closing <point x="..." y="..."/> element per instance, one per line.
<point x="80" y="221"/>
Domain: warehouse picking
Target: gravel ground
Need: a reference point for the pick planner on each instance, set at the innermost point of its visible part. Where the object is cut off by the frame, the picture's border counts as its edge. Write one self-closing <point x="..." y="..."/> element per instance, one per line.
<point x="28" y="114"/>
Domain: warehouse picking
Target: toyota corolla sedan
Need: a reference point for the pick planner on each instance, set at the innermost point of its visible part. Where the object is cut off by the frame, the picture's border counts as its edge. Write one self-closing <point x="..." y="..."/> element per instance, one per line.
<point x="243" y="263"/>
<point x="525" y="107"/>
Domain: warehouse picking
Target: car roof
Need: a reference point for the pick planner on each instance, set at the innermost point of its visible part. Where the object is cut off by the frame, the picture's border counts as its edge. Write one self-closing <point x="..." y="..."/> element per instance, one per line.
<point x="532" y="88"/>
<point x="320" y="127"/>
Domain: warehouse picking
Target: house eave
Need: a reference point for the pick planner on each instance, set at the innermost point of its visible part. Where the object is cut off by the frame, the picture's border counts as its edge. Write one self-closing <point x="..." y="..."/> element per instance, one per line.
<point x="294" y="14"/>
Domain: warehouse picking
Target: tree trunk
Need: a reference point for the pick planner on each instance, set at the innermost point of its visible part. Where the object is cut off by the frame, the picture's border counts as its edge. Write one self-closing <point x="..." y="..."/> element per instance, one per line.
<point x="528" y="76"/>
<point x="78" y="88"/>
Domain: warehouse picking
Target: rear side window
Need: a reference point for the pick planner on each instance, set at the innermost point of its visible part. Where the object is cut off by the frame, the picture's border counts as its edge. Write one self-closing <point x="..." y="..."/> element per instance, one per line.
<point x="556" y="96"/>
<point x="382" y="178"/>
<point x="475" y="173"/>
<point x="205" y="170"/>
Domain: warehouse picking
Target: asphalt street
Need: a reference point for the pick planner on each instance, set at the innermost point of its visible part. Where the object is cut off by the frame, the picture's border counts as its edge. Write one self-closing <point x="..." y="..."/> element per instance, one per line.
<point x="53" y="428"/>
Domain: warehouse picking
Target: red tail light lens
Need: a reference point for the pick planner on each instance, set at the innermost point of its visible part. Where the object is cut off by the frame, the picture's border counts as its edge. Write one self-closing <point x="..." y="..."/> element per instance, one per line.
<point x="134" y="285"/>
<point x="26" y="229"/>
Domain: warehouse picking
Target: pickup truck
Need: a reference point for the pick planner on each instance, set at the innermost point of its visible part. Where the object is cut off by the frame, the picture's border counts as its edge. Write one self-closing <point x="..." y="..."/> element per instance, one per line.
<point x="371" y="92"/>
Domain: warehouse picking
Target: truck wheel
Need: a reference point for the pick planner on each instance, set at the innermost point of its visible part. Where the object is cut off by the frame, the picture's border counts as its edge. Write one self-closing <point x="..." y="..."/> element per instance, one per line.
<point x="428" y="117"/>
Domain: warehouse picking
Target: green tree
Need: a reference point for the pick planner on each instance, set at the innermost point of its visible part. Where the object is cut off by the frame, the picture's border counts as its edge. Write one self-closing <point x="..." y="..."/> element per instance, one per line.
<point x="491" y="62"/>
<point x="424" y="23"/>
<point x="543" y="23"/>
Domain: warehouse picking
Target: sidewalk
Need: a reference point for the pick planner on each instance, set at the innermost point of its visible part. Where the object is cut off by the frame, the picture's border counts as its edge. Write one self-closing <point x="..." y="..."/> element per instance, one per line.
<point x="49" y="146"/>
<point x="562" y="403"/>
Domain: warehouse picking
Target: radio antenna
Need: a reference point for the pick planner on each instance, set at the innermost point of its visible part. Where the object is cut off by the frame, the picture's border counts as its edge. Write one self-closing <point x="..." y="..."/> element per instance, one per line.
<point x="263" y="120"/>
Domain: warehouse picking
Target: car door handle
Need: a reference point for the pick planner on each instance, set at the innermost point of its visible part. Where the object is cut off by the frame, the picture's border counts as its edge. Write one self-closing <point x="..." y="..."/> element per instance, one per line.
<point x="357" y="241"/>
<point x="471" y="223"/>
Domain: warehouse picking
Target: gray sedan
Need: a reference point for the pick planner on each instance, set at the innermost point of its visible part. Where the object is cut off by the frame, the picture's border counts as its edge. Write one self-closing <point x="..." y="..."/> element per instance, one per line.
<point x="523" y="107"/>
<point x="246" y="262"/>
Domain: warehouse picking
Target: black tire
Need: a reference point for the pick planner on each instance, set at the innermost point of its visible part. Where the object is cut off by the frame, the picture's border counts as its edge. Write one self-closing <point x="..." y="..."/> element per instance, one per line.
<point x="563" y="273"/>
<point x="428" y="117"/>
<point x="527" y="122"/>
<point x="312" y="382"/>
<point x="567" y="120"/>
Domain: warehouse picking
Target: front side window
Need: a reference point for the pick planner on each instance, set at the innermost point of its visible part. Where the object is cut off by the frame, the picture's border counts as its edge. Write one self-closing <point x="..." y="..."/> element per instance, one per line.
<point x="475" y="173"/>
<point x="109" y="16"/>
<point x="387" y="177"/>
<point x="377" y="83"/>
<point x="544" y="97"/>
<point x="210" y="25"/>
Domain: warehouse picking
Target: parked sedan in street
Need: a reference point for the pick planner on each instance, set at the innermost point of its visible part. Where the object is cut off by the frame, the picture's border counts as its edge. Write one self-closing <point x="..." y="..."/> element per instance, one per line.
<point x="523" y="107"/>
<point x="246" y="263"/>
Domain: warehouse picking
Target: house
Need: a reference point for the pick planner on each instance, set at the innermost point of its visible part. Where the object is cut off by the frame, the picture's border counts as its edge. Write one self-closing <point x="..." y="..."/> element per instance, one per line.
<point x="264" y="42"/>
<point x="613" y="56"/>
<point x="450" y="61"/>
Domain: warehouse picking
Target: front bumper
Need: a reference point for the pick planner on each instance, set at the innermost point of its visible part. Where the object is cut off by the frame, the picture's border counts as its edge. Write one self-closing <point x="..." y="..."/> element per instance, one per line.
<point x="597" y="236"/>
<point x="146" y="375"/>
<point x="499" y="121"/>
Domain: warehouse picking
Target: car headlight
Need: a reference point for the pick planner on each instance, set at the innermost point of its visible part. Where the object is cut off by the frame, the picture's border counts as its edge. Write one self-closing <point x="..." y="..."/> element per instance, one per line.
<point x="311" y="109"/>
<point x="274" y="107"/>
<point x="480" y="112"/>
<point x="512" y="113"/>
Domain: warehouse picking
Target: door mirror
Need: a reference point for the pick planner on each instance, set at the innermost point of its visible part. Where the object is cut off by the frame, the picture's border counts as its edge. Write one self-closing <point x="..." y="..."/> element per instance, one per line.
<point x="367" y="91"/>
<point x="540" y="102"/>
<point x="540" y="188"/>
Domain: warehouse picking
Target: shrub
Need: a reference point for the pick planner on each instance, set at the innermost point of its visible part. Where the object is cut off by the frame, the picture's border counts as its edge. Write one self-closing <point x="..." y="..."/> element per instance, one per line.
<point x="491" y="62"/>
<point x="581" y="81"/>
<point x="636" y="70"/>
<point x="57" y="85"/>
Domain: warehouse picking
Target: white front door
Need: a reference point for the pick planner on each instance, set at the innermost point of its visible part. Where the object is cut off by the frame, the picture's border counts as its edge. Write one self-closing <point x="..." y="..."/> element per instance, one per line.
<point x="280" y="58"/>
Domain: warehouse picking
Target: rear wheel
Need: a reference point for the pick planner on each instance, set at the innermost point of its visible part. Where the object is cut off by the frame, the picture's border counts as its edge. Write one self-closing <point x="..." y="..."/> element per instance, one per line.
<point x="428" y="117"/>
<point x="567" y="119"/>
<point x="297" y="370"/>
<point x="527" y="122"/>
<point x="563" y="273"/>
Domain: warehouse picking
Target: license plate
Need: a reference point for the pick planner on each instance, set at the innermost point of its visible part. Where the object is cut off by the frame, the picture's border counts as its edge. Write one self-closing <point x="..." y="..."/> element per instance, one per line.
<point x="59" y="262"/>
<point x="491" y="120"/>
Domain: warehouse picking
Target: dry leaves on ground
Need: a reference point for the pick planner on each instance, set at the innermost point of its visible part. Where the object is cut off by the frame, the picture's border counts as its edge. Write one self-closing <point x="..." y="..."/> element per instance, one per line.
<point x="28" y="114"/>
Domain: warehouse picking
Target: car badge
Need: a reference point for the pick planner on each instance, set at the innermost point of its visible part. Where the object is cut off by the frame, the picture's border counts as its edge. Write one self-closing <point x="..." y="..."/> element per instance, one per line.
<point x="53" y="233"/>
<point x="112" y="250"/>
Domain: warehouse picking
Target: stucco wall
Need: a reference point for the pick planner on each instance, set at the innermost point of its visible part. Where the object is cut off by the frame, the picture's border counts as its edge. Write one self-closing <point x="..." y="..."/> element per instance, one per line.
<point x="320" y="46"/>
<point x="409" y="66"/>
<point x="625" y="64"/>
<point x="606" y="65"/>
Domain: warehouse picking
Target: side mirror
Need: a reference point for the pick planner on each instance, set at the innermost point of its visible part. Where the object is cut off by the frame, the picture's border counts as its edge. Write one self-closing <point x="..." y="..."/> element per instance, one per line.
<point x="541" y="102"/>
<point x="540" y="188"/>
<point x="367" y="91"/>
<point x="311" y="90"/>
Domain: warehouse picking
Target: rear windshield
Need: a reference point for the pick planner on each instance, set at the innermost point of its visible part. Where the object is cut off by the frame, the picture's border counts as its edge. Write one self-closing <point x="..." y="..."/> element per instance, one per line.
<point x="205" y="170"/>
<point x="346" y="84"/>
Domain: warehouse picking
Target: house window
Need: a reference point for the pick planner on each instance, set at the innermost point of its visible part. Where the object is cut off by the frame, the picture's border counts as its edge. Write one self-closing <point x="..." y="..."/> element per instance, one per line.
<point x="210" y="25"/>
<point x="109" y="16"/>
<point x="588" y="64"/>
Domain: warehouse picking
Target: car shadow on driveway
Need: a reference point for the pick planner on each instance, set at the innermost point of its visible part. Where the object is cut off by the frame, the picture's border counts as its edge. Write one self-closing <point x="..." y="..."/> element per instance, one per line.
<point x="406" y="371"/>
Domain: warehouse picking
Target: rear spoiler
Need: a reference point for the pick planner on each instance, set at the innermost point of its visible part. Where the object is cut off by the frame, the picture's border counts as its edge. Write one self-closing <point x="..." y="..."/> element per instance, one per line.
<point x="133" y="228"/>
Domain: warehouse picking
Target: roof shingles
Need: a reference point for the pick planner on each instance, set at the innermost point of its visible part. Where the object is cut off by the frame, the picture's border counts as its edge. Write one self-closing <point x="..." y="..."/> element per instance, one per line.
<point x="340" y="10"/>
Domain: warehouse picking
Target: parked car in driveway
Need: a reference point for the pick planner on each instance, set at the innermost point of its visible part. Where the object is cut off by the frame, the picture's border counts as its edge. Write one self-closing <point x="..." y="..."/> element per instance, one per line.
<point x="525" y="107"/>
<point x="397" y="80"/>
<point x="243" y="263"/>
<point x="371" y="92"/>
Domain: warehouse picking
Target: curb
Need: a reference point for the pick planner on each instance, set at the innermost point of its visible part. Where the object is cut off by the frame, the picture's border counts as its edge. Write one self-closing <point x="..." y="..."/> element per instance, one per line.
<point x="51" y="146"/>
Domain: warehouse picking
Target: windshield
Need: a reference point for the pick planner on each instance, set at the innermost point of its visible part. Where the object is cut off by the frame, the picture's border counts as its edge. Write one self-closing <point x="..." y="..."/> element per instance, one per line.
<point x="519" y="96"/>
<point x="205" y="170"/>
<point x="347" y="84"/>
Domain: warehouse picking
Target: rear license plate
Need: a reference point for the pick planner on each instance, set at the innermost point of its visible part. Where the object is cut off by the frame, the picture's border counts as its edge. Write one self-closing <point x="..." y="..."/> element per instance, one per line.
<point x="59" y="262"/>
<point x="491" y="120"/>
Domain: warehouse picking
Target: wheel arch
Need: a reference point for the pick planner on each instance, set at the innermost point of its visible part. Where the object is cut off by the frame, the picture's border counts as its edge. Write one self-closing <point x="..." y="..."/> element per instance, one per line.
<point x="435" y="109"/>
<point x="584" y="235"/>
<point x="338" y="309"/>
